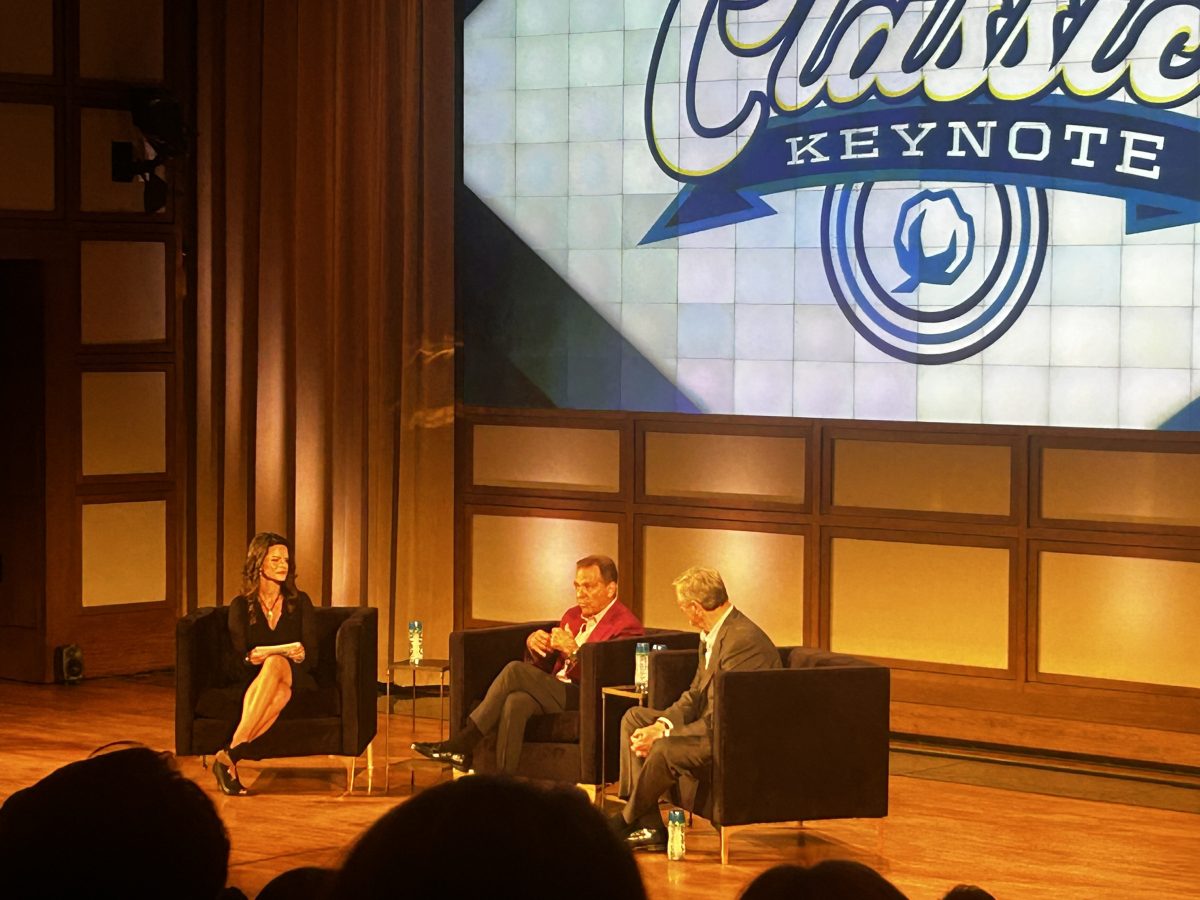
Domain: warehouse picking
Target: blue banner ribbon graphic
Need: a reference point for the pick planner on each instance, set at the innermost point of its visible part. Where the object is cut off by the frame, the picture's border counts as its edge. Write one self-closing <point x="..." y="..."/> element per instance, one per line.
<point x="1147" y="157"/>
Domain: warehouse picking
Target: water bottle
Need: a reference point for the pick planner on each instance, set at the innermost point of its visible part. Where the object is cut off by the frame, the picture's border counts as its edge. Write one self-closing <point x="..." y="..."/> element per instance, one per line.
<point x="676" y="842"/>
<point x="416" y="642"/>
<point x="641" y="666"/>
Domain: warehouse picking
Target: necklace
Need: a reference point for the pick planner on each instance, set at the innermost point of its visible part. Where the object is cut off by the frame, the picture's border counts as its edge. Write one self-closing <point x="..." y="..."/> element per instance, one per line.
<point x="271" y="611"/>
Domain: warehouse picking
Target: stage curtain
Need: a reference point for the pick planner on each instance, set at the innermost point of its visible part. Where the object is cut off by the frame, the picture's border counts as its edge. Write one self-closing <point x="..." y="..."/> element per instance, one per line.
<point x="323" y="385"/>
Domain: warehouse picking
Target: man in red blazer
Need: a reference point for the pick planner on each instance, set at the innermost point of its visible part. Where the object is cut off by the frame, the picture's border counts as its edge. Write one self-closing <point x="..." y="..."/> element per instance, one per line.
<point x="544" y="682"/>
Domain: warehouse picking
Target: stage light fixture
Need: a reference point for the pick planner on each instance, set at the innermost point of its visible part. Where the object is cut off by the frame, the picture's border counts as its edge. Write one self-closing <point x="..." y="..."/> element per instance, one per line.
<point x="165" y="136"/>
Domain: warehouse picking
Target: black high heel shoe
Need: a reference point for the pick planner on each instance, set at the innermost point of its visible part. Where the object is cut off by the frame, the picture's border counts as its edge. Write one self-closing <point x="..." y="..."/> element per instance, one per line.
<point x="228" y="782"/>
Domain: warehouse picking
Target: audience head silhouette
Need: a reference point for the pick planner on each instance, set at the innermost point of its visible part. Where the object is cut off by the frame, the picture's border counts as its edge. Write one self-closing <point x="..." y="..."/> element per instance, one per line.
<point x="304" y="883"/>
<point x="967" y="892"/>
<point x="124" y="824"/>
<point x="489" y="836"/>
<point x="833" y="879"/>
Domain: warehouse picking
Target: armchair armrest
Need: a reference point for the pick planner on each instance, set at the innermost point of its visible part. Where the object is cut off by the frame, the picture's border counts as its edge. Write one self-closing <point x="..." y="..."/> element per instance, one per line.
<point x="357" y="650"/>
<point x="476" y="657"/>
<point x="612" y="663"/>
<point x="800" y="744"/>
<point x="671" y="673"/>
<point x="600" y="665"/>
<point x="605" y="663"/>
<point x="190" y="662"/>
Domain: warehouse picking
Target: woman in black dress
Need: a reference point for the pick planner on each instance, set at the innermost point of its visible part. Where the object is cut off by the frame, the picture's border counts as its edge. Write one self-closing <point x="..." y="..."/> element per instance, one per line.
<point x="269" y="613"/>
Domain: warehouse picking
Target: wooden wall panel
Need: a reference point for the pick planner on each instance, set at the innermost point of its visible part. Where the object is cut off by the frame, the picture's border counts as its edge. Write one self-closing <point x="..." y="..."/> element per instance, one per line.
<point x="124" y="553"/>
<point x="522" y="567"/>
<point x="925" y="477"/>
<point x="567" y="459"/>
<point x="711" y="467"/>
<point x="1136" y="486"/>
<point x="121" y="40"/>
<point x="919" y="545"/>
<point x="123" y="292"/>
<point x="924" y="602"/>
<point x="28" y="154"/>
<point x="124" y="422"/>
<point x="763" y="573"/>
<point x="1119" y="618"/>
<point x="27" y="37"/>
<point x="116" y="288"/>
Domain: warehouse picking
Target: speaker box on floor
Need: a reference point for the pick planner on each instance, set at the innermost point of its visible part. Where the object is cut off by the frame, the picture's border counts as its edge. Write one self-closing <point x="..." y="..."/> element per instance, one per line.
<point x="68" y="664"/>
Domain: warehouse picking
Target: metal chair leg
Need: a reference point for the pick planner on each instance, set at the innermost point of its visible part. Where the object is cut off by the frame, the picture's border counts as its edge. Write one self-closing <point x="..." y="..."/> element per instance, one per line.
<point x="370" y="765"/>
<point x="350" y="760"/>
<point x="726" y="833"/>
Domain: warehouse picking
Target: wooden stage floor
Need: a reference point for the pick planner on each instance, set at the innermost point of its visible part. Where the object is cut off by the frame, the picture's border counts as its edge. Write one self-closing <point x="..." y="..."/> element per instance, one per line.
<point x="995" y="832"/>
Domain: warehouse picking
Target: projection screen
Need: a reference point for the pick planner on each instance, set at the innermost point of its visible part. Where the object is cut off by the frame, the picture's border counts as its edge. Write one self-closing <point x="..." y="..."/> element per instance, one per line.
<point x="948" y="211"/>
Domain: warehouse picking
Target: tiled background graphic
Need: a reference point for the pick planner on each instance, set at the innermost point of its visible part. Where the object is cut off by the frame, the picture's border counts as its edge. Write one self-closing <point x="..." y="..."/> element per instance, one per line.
<point x="741" y="318"/>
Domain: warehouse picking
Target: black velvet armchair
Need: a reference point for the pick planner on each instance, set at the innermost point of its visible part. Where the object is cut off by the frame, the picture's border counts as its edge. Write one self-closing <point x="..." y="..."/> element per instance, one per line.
<point x="808" y="741"/>
<point x="337" y="719"/>
<point x="566" y="746"/>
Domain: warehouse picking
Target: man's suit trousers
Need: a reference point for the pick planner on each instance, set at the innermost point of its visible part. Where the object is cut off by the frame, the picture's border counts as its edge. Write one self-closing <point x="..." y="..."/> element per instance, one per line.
<point x="519" y="692"/>
<point x="644" y="781"/>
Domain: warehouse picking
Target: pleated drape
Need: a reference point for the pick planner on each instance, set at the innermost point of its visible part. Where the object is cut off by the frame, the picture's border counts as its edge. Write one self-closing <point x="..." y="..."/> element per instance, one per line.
<point x="324" y="336"/>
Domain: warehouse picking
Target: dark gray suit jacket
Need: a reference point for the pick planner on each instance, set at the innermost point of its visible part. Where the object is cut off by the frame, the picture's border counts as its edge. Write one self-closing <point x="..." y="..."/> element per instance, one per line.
<point x="740" y="645"/>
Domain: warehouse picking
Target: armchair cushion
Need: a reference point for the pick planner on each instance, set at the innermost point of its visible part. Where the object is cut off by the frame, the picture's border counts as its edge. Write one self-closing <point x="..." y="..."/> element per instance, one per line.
<point x="557" y="728"/>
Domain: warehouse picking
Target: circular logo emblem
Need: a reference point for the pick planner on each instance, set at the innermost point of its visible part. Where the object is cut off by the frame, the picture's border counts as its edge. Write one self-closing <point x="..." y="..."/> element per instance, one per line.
<point x="951" y="299"/>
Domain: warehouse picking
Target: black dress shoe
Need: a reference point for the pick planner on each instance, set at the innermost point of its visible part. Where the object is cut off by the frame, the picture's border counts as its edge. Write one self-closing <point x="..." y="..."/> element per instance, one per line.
<point x="228" y="782"/>
<point x="439" y="752"/>
<point x="652" y="840"/>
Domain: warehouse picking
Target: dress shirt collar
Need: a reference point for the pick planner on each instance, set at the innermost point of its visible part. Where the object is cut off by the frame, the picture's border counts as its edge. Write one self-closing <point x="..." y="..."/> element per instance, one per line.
<point x="586" y="629"/>
<point x="589" y="624"/>
<point x="710" y="637"/>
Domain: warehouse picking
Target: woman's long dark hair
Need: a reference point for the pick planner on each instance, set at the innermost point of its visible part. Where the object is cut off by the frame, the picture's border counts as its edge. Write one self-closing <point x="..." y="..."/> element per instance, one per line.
<point x="255" y="555"/>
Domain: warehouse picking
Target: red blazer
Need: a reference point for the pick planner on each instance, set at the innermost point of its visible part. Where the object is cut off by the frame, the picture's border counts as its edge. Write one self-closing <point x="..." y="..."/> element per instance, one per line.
<point x="618" y="622"/>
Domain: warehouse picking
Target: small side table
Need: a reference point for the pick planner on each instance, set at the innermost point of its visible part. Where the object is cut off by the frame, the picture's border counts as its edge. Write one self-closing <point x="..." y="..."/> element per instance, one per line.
<point x="425" y="664"/>
<point x="628" y="692"/>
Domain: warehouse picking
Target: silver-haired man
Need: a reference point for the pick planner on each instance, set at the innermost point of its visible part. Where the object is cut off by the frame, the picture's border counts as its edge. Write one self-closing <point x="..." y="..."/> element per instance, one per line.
<point x="658" y="744"/>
